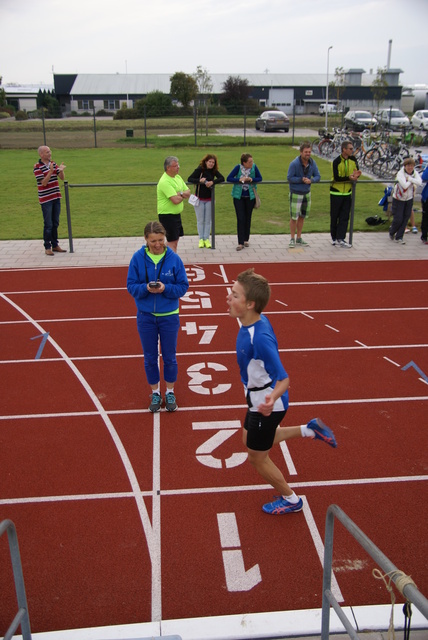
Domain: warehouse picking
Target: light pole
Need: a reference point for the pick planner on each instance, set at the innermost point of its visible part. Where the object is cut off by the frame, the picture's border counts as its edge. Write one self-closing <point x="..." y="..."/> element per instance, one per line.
<point x="326" y="88"/>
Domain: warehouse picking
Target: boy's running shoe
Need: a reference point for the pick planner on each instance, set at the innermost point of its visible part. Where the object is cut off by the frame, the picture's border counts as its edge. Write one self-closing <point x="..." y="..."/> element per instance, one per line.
<point x="322" y="432"/>
<point x="170" y="403"/>
<point x="281" y="505"/>
<point x="156" y="402"/>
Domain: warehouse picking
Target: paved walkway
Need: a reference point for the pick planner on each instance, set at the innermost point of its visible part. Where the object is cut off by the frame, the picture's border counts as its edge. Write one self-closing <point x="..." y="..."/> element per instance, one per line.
<point x="87" y="252"/>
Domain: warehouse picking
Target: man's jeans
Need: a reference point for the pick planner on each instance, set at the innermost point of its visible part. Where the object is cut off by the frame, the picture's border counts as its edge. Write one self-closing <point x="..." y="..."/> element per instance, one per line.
<point x="51" y="211"/>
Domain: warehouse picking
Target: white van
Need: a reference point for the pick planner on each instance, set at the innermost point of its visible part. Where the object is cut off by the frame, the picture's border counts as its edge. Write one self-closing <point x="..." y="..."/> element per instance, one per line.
<point x="331" y="109"/>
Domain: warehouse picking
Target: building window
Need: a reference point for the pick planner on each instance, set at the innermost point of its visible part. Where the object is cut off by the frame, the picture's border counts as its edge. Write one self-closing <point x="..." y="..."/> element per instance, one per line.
<point x="111" y="105"/>
<point x="85" y="105"/>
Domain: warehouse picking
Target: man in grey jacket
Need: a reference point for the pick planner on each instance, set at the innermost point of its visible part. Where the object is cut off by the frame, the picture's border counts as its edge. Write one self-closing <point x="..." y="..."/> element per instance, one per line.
<point x="302" y="172"/>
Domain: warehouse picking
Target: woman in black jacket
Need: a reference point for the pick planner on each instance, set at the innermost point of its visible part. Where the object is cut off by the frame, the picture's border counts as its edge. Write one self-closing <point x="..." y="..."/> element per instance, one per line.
<point x="205" y="176"/>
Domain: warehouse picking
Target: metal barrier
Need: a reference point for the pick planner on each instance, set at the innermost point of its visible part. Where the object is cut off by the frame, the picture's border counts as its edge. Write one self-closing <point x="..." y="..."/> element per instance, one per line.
<point x="22" y="617"/>
<point x="68" y="186"/>
<point x="409" y="590"/>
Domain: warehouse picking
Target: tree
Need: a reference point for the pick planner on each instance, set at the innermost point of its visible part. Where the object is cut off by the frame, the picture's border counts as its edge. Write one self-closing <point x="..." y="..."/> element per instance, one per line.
<point x="183" y="88"/>
<point x="379" y="86"/>
<point x="46" y="100"/>
<point x="203" y="80"/>
<point x="235" y="93"/>
<point x="338" y="84"/>
<point x="156" y="103"/>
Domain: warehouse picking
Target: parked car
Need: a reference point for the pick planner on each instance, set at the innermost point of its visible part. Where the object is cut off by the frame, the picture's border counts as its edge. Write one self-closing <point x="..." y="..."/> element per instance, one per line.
<point x="360" y="120"/>
<point x="394" y="119"/>
<point x="331" y="109"/>
<point x="420" y="120"/>
<point x="273" y="121"/>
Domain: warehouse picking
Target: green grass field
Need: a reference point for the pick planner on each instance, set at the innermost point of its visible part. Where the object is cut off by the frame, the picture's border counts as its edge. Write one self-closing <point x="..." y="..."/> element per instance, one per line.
<point x="123" y="211"/>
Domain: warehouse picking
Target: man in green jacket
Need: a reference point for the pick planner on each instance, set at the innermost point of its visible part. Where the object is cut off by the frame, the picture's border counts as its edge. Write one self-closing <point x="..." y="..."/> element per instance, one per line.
<point x="172" y="191"/>
<point x="345" y="172"/>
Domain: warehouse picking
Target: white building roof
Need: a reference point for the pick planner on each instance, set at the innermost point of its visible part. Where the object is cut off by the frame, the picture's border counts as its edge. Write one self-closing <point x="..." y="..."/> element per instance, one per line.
<point x="142" y="83"/>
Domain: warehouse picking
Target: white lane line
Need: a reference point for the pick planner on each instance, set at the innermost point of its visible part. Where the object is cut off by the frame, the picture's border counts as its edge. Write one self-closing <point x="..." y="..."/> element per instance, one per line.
<point x="349" y="482"/>
<point x="332" y="328"/>
<point x="288" y="459"/>
<point x="319" y="546"/>
<point x="391" y="361"/>
<point x="136" y="491"/>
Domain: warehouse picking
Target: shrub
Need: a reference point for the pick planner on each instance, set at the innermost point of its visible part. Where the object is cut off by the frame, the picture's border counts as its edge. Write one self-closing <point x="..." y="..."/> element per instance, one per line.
<point x="4" y="114"/>
<point x="21" y="115"/>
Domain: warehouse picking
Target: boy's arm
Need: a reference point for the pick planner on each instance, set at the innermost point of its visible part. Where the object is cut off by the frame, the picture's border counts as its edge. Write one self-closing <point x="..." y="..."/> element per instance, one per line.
<point x="266" y="407"/>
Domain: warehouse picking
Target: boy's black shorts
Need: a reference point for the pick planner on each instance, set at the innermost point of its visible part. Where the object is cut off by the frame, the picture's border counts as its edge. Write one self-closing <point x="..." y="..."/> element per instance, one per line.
<point x="172" y="225"/>
<point x="261" y="429"/>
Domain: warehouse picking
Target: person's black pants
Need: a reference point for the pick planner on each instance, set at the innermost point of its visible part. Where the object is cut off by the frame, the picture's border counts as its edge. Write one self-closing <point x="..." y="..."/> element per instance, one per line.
<point x="340" y="208"/>
<point x="424" y="223"/>
<point x="244" y="210"/>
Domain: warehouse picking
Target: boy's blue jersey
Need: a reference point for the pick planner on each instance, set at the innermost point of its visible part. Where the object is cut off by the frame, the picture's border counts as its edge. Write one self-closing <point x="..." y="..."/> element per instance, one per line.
<point x="259" y="363"/>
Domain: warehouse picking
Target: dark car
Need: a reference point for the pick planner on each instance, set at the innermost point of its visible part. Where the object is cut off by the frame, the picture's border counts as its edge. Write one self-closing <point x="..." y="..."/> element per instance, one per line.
<point x="273" y="121"/>
<point x="360" y="120"/>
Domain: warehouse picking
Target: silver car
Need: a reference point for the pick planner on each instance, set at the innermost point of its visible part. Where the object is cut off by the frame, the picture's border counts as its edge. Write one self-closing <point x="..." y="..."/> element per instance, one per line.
<point x="273" y="121"/>
<point x="420" y="120"/>
<point x="393" y="119"/>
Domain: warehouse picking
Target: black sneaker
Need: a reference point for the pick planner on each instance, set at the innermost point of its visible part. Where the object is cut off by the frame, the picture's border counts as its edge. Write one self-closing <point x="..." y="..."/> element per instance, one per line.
<point x="156" y="402"/>
<point x="170" y="403"/>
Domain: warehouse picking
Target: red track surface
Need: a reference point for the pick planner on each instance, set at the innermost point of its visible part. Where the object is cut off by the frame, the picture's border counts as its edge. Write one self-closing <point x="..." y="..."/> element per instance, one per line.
<point x="126" y="517"/>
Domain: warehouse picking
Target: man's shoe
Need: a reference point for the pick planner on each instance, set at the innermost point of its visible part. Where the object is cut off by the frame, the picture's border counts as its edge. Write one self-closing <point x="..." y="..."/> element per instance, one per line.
<point x="344" y="244"/>
<point x="400" y="241"/>
<point x="49" y="252"/>
<point x="414" y="229"/>
<point x="302" y="243"/>
<point x="322" y="432"/>
<point x="58" y="249"/>
<point x="281" y="505"/>
<point x="292" y="243"/>
<point x="170" y="403"/>
<point x="207" y="244"/>
<point x="201" y="244"/>
<point x="246" y="243"/>
<point x="424" y="241"/>
<point x="391" y="237"/>
<point x="156" y="402"/>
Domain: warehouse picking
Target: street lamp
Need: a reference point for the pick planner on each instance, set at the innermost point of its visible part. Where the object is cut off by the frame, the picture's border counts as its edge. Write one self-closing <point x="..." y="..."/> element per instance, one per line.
<point x="326" y="88"/>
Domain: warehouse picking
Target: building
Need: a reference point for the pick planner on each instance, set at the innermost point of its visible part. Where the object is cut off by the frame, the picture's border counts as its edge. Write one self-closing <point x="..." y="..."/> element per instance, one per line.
<point x="302" y="92"/>
<point x="24" y="97"/>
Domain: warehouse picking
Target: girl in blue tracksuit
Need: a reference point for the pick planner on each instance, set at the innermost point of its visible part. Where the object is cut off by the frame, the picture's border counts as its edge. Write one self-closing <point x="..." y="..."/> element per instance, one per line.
<point x="157" y="280"/>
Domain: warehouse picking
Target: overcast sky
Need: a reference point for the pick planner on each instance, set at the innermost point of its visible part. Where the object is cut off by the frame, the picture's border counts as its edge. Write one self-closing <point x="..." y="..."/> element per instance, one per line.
<point x="223" y="36"/>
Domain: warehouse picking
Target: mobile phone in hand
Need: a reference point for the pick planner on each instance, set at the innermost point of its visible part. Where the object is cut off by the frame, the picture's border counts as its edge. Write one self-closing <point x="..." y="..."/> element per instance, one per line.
<point x="154" y="285"/>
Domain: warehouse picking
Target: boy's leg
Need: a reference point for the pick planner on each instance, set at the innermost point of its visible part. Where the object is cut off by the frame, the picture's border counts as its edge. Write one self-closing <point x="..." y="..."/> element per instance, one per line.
<point x="262" y="463"/>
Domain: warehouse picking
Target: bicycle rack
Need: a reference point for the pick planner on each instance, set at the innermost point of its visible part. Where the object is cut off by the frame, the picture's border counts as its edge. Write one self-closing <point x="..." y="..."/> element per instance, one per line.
<point x="410" y="591"/>
<point x="22" y="617"/>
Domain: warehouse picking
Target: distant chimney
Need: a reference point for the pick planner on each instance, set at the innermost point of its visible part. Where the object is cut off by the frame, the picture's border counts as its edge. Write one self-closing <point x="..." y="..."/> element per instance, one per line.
<point x="388" y="64"/>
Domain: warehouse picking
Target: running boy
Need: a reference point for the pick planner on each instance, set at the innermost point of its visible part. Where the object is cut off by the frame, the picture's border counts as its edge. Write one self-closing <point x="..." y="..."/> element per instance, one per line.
<point x="266" y="387"/>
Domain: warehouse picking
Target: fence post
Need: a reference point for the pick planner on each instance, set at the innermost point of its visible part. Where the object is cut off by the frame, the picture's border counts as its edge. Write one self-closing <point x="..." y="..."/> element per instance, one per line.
<point x="195" y="124"/>
<point x="145" y="127"/>
<point x="67" y="204"/>
<point x="245" y="125"/>
<point x="213" y="217"/>
<point x="351" y="223"/>
<point x="95" y="129"/>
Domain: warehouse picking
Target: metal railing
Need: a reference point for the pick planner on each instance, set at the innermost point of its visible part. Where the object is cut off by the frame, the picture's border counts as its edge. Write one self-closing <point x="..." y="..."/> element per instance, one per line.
<point x="409" y="590"/>
<point x="68" y="186"/>
<point x="22" y="617"/>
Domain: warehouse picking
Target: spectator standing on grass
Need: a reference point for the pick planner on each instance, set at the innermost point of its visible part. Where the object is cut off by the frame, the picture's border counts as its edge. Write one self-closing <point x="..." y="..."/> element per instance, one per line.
<point x="406" y="182"/>
<point x="302" y="172"/>
<point x="266" y="386"/>
<point x="47" y="172"/>
<point x="244" y="177"/>
<point x="157" y="280"/>
<point x="424" y="198"/>
<point x="171" y="192"/>
<point x="345" y="172"/>
<point x="205" y="176"/>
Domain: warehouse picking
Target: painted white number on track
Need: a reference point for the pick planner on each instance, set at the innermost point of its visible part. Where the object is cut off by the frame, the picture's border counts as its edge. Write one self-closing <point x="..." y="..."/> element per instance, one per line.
<point x="196" y="300"/>
<point x="225" y="430"/>
<point x="237" y="578"/>
<point x="197" y="379"/>
<point x="195" y="274"/>
<point x="191" y="328"/>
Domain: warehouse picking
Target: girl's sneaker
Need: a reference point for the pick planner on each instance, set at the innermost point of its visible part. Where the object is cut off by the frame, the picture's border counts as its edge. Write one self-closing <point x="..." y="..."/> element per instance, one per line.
<point x="156" y="402"/>
<point x="281" y="505"/>
<point x="201" y="244"/>
<point x="207" y="244"/>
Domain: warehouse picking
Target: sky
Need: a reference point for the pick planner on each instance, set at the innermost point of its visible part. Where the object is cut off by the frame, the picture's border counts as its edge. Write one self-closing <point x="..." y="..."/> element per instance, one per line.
<point x="222" y="36"/>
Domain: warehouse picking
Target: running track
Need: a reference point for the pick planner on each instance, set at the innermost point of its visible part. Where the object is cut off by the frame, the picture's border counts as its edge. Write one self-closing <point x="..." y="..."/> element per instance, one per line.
<point x="127" y="517"/>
